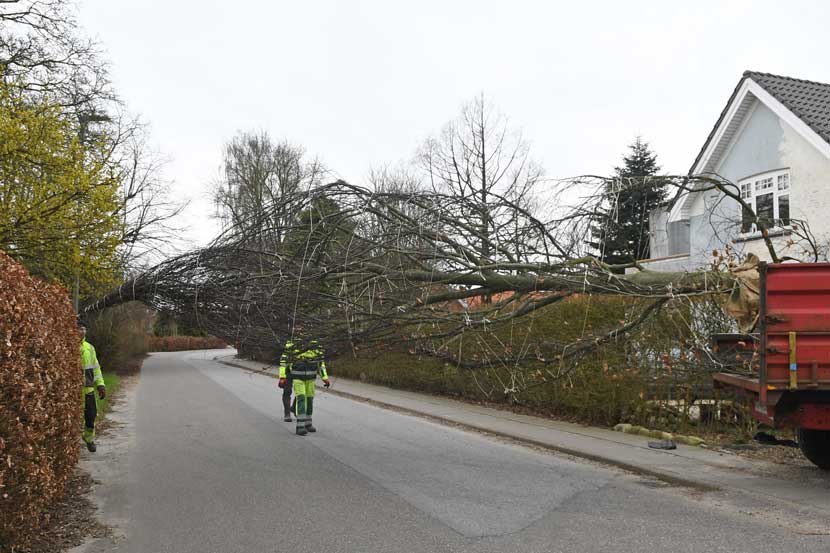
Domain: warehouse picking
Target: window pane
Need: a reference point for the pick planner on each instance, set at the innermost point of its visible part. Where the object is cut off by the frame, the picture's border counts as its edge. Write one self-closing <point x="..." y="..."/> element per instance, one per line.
<point x="747" y="218"/>
<point x="764" y="210"/>
<point x="763" y="184"/>
<point x="783" y="182"/>
<point x="784" y="210"/>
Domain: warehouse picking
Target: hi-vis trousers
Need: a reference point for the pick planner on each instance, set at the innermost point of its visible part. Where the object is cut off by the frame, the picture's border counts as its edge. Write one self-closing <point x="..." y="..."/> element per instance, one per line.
<point x="304" y="397"/>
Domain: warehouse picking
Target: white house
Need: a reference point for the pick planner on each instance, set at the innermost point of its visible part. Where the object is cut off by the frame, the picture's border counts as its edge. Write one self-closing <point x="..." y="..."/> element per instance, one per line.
<point x="773" y="141"/>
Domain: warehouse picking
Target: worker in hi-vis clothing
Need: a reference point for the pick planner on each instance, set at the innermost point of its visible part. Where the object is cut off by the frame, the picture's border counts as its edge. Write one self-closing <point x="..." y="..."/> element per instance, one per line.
<point x="287" y="385"/>
<point x="303" y="363"/>
<point x="93" y="379"/>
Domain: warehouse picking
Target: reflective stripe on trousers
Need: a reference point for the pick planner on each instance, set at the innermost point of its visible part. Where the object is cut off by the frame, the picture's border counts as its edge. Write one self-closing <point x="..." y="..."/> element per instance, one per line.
<point x="304" y="392"/>
<point x="303" y="375"/>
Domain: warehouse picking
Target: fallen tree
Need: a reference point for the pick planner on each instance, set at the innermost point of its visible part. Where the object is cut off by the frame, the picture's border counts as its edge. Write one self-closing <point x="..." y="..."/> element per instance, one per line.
<point x="362" y="266"/>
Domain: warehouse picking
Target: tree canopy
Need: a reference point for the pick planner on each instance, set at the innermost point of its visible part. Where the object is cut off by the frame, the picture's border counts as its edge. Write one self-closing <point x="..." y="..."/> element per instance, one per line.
<point x="620" y="228"/>
<point x="83" y="197"/>
<point x="59" y="201"/>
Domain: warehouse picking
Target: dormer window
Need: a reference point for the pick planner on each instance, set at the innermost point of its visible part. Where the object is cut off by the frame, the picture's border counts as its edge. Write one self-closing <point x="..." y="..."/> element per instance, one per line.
<point x="769" y="196"/>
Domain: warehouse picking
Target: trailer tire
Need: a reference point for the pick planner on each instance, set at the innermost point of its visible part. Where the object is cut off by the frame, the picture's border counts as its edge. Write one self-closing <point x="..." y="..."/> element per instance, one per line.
<point x="815" y="445"/>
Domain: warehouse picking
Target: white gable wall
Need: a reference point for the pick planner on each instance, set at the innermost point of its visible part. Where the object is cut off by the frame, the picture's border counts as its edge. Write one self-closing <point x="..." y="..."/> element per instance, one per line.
<point x="809" y="185"/>
<point x="763" y="143"/>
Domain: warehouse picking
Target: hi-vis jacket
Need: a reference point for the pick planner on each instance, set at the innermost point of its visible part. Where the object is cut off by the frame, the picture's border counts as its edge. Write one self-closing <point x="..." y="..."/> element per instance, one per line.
<point x="92" y="370"/>
<point x="303" y="365"/>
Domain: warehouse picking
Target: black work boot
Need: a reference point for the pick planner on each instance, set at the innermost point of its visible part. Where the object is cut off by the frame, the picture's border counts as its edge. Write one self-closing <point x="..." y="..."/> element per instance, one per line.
<point x="301" y="431"/>
<point x="287" y="417"/>
<point x="91" y="447"/>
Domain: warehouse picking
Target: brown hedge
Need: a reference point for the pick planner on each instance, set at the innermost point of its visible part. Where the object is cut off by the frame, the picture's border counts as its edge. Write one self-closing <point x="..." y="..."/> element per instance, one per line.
<point x="183" y="343"/>
<point x="40" y="399"/>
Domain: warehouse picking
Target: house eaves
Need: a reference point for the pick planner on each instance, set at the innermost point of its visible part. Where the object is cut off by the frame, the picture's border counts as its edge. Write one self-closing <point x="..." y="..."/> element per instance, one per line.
<point x="805" y="105"/>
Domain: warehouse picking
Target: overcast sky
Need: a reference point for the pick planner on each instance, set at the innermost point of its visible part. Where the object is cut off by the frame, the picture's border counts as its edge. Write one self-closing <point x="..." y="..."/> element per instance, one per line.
<point x="360" y="84"/>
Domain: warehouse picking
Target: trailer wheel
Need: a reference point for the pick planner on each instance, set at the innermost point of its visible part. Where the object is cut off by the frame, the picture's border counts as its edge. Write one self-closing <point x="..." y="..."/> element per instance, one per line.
<point x="815" y="445"/>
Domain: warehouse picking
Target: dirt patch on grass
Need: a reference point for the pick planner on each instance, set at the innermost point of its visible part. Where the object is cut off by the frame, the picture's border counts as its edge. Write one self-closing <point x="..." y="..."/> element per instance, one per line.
<point x="70" y="521"/>
<point x="790" y="456"/>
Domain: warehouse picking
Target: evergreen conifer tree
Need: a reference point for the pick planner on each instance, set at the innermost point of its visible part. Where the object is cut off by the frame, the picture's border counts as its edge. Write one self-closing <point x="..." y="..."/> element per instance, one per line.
<point x="620" y="229"/>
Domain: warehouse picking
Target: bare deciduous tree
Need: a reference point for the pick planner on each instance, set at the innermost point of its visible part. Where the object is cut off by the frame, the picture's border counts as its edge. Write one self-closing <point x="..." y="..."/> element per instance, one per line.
<point x="257" y="173"/>
<point x="43" y="51"/>
<point x="479" y="158"/>
<point x="147" y="210"/>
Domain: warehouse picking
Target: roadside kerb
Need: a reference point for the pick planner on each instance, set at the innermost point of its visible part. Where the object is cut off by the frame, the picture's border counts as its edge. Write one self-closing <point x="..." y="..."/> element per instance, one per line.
<point x="644" y="471"/>
<point x="668" y="478"/>
<point x="698" y="468"/>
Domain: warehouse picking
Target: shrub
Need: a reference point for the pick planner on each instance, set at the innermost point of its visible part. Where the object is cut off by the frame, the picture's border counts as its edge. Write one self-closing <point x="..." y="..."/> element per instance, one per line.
<point x="40" y="407"/>
<point x="119" y="335"/>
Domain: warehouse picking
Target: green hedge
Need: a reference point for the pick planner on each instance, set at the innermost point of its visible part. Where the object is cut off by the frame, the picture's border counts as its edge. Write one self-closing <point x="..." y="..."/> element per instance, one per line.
<point x="651" y="377"/>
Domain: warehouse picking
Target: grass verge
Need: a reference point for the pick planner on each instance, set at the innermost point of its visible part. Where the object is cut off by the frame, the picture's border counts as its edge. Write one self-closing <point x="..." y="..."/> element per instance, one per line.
<point x="113" y="382"/>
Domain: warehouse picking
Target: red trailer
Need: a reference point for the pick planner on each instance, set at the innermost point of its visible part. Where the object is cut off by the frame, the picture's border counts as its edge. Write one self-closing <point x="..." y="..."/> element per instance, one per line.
<point x="789" y="356"/>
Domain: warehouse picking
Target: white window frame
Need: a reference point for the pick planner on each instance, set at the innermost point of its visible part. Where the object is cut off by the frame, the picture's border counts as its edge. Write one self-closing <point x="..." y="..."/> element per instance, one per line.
<point x="777" y="183"/>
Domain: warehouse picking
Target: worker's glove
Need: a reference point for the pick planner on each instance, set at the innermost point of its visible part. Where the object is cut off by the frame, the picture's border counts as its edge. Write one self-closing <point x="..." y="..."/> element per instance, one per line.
<point x="326" y="383"/>
<point x="102" y="392"/>
<point x="281" y="383"/>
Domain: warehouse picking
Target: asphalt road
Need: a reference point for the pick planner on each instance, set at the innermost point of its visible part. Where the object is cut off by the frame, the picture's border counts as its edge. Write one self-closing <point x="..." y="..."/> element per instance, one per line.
<point x="211" y="467"/>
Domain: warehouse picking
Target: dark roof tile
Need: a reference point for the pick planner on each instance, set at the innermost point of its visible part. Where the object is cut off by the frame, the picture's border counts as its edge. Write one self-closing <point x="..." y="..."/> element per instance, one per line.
<point x="808" y="100"/>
